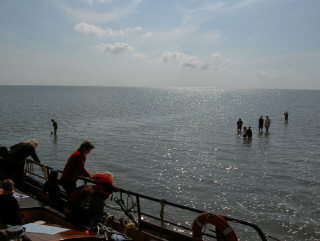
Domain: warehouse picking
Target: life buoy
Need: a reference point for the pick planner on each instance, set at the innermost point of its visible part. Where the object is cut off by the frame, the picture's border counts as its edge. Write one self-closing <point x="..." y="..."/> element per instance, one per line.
<point x="215" y="220"/>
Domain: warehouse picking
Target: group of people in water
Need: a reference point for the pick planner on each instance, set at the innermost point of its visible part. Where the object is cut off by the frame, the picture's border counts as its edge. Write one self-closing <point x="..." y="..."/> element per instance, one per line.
<point x="247" y="133"/>
<point x="85" y="203"/>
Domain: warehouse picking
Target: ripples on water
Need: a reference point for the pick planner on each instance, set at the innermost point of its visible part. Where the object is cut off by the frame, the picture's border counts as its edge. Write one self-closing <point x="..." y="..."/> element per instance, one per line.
<point x="182" y="145"/>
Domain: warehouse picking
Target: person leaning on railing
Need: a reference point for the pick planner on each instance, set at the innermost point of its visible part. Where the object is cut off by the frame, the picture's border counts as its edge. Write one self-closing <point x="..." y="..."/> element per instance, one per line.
<point x="74" y="168"/>
<point x="17" y="156"/>
<point x="103" y="189"/>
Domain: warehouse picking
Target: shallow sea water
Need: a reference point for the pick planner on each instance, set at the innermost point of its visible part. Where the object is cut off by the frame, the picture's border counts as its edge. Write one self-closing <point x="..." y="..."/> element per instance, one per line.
<point x="181" y="144"/>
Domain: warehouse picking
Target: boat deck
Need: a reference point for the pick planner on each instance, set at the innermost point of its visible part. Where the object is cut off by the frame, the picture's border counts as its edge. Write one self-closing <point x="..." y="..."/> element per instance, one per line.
<point x="41" y="216"/>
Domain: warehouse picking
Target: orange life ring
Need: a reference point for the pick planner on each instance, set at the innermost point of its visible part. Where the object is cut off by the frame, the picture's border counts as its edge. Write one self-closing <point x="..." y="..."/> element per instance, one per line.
<point x="215" y="220"/>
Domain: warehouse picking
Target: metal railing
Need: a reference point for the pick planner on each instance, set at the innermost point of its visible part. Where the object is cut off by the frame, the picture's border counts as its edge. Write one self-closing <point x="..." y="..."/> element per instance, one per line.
<point x="139" y="197"/>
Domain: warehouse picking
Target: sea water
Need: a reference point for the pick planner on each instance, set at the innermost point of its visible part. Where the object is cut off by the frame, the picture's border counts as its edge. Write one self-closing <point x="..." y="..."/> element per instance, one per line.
<point x="182" y="145"/>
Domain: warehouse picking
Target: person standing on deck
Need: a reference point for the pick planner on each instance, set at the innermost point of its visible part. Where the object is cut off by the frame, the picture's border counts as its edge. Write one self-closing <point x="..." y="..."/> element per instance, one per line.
<point x="74" y="168"/>
<point x="55" y="126"/>
<point x="261" y="121"/>
<point x="267" y="123"/>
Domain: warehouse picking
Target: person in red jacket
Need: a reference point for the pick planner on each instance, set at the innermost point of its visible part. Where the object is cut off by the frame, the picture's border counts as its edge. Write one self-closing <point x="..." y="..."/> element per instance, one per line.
<point x="74" y="168"/>
<point x="103" y="189"/>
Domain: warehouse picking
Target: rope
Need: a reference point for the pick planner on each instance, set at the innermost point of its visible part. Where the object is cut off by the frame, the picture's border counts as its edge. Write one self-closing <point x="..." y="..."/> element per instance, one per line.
<point x="205" y="224"/>
<point x="269" y="236"/>
<point x="132" y="202"/>
<point x="127" y="223"/>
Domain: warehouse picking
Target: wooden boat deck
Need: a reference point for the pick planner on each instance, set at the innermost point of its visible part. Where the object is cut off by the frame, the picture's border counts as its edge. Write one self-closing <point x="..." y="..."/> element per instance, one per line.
<point x="33" y="210"/>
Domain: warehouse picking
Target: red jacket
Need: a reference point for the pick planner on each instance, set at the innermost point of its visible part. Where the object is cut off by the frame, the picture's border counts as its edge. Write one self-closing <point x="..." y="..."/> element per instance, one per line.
<point x="104" y="184"/>
<point x="75" y="167"/>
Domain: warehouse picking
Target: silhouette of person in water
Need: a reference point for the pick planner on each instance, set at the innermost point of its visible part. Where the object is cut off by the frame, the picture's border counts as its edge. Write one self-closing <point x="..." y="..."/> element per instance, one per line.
<point x="55" y="126"/>
<point x="249" y="133"/>
<point x="267" y="123"/>
<point x="239" y="124"/>
<point x="261" y="121"/>
<point x="286" y="115"/>
<point x="244" y="132"/>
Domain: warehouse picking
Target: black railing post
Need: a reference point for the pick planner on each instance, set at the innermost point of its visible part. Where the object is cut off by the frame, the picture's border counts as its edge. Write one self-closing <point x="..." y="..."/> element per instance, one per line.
<point x="139" y="212"/>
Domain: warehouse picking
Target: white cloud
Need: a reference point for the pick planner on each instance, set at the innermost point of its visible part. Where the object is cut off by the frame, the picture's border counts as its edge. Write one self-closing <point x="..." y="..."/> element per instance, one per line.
<point x="245" y="3"/>
<point x="216" y="56"/>
<point x="94" y="17"/>
<point x="209" y="37"/>
<point x="147" y="35"/>
<point x="95" y="31"/>
<point x="100" y="1"/>
<point x="138" y="56"/>
<point x="89" y="30"/>
<point x="262" y="75"/>
<point x="185" y="60"/>
<point x="117" y="48"/>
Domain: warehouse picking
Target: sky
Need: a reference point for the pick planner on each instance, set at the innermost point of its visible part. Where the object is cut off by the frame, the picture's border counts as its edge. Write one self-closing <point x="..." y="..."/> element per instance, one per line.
<point x="247" y="44"/>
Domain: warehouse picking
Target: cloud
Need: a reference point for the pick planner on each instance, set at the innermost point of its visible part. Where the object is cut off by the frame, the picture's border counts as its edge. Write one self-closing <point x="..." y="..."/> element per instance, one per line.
<point x="95" y="31"/>
<point x="100" y="1"/>
<point x="262" y="75"/>
<point x="89" y="30"/>
<point x="147" y="35"/>
<point x="138" y="56"/>
<point x="245" y="3"/>
<point x="94" y="17"/>
<point x="185" y="60"/>
<point x="117" y="48"/>
<point x="216" y="56"/>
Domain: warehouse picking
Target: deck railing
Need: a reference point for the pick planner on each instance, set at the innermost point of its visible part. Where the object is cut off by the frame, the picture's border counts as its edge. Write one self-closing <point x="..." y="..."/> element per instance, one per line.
<point x="136" y="208"/>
